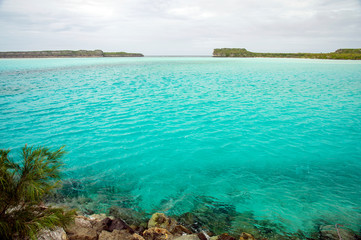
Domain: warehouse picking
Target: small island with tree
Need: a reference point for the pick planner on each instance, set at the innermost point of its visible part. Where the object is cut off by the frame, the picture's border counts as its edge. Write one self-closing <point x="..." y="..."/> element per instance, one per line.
<point x="348" y="54"/>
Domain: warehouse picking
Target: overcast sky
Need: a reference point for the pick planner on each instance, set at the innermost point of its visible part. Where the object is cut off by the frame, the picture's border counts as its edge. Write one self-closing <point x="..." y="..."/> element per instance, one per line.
<point x="180" y="26"/>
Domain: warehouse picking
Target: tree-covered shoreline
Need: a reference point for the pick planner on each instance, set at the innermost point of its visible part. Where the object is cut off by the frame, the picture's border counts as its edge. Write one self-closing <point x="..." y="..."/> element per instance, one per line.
<point x="347" y="54"/>
<point x="66" y="54"/>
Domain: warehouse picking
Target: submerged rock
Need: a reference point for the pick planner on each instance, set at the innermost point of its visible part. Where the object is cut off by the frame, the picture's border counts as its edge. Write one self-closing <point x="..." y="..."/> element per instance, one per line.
<point x="181" y="230"/>
<point x="209" y="215"/>
<point x="329" y="232"/>
<point x="187" y="218"/>
<point x="71" y="188"/>
<point x="156" y="233"/>
<point x="131" y="216"/>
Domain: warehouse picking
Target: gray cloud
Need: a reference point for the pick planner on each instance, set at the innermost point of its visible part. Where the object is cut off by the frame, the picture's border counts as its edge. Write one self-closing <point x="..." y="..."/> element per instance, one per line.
<point x="180" y="27"/>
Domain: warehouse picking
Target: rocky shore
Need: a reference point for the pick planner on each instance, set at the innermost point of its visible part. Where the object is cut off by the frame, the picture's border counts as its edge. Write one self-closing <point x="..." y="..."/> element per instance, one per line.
<point x="159" y="227"/>
<point x="162" y="227"/>
<point x="207" y="219"/>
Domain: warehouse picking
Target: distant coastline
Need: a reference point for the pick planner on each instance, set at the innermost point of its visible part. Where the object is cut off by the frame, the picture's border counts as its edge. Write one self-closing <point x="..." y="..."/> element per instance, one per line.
<point x="347" y="54"/>
<point x="66" y="54"/>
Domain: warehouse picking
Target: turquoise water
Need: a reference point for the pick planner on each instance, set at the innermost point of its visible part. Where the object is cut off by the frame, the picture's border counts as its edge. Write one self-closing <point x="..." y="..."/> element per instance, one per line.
<point x="280" y="138"/>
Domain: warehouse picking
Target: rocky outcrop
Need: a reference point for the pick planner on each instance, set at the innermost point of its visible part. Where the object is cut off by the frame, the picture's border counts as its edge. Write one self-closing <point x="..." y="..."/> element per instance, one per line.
<point x="159" y="227"/>
<point x="90" y="228"/>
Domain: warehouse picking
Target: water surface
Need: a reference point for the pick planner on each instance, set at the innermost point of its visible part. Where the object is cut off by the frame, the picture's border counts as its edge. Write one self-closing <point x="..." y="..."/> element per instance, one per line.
<point x="280" y="138"/>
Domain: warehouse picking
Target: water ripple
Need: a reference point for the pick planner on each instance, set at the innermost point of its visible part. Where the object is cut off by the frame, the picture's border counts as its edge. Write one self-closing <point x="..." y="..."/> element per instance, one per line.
<point x="278" y="137"/>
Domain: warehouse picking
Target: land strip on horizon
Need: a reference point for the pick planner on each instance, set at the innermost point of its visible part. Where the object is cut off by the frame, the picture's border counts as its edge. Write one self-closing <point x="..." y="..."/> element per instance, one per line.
<point x="66" y="54"/>
<point x="348" y="54"/>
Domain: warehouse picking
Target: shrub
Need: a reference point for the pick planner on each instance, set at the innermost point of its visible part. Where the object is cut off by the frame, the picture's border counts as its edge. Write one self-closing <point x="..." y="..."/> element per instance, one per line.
<point x="23" y="186"/>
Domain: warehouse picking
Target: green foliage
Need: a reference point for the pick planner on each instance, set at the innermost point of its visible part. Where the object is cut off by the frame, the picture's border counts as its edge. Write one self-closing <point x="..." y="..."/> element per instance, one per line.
<point x="121" y="54"/>
<point x="349" y="50"/>
<point x="115" y="53"/>
<point x="232" y="52"/>
<point x="23" y="187"/>
<point x="348" y="54"/>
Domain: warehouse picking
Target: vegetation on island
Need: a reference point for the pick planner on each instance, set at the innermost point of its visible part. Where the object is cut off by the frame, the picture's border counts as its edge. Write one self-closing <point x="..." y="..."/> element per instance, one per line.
<point x="122" y="54"/>
<point x="67" y="53"/>
<point x="24" y="185"/>
<point x="348" y="54"/>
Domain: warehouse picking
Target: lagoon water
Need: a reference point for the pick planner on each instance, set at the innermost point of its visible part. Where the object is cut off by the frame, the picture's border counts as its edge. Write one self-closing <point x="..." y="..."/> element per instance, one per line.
<point x="277" y="138"/>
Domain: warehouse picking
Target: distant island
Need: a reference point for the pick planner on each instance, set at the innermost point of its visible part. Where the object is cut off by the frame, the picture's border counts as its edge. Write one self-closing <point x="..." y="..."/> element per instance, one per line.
<point x="67" y="54"/>
<point x="349" y="54"/>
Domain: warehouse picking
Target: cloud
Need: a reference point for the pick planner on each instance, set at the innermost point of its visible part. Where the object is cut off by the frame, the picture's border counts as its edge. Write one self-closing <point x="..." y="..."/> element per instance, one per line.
<point x="180" y="27"/>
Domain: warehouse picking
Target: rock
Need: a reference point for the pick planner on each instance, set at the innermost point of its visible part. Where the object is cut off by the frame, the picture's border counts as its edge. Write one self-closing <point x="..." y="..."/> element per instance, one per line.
<point x="203" y="236"/>
<point x="119" y="235"/>
<point x="81" y="229"/>
<point x="180" y="230"/>
<point x="98" y="226"/>
<point x="161" y="221"/>
<point x="81" y="233"/>
<point x="329" y="232"/>
<point x="137" y="237"/>
<point x="109" y="225"/>
<point x="105" y="235"/>
<point x="187" y="218"/>
<point x="97" y="217"/>
<point x="246" y="236"/>
<point x="81" y="221"/>
<point x="156" y="233"/>
<point x="187" y="237"/>
<point x="56" y="234"/>
<point x="129" y="215"/>
<point x="225" y="236"/>
<point x="138" y="229"/>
